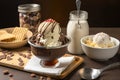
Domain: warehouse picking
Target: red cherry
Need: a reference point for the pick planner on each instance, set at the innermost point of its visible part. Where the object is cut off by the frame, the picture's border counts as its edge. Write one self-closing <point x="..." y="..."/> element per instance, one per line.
<point x="50" y="20"/>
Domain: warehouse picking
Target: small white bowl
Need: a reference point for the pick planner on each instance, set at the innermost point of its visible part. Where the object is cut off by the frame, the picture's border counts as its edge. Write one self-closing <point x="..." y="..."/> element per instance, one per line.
<point x="100" y="54"/>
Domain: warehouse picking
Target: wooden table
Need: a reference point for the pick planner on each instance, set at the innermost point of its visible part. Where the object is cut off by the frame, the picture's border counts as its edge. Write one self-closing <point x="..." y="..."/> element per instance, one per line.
<point x="113" y="74"/>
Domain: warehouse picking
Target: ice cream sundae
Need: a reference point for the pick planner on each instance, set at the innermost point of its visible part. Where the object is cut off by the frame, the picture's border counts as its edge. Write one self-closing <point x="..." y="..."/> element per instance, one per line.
<point x="49" y="43"/>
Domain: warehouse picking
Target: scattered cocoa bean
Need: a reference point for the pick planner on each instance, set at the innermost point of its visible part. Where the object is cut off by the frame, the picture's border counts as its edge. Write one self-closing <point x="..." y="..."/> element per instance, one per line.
<point x="5" y="72"/>
<point x="33" y="75"/>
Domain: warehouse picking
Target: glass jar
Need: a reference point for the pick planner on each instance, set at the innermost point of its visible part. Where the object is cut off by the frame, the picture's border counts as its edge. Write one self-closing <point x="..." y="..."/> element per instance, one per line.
<point x="29" y="16"/>
<point x="77" y="27"/>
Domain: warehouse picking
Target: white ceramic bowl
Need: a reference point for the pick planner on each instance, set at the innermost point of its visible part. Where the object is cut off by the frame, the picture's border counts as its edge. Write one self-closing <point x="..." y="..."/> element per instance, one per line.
<point x="100" y="54"/>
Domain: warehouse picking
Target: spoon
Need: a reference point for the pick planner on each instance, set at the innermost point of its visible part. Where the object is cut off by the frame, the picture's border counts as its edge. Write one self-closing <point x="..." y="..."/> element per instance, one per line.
<point x="78" y="4"/>
<point x="92" y="73"/>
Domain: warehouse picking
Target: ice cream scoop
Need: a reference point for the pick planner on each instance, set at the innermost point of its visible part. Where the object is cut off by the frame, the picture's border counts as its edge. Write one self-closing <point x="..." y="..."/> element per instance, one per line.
<point x="49" y="34"/>
<point x="102" y="40"/>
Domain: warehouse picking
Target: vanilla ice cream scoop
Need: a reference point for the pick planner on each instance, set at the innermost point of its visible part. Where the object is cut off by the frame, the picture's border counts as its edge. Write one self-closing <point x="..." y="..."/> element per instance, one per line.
<point x="49" y="33"/>
<point x="102" y="40"/>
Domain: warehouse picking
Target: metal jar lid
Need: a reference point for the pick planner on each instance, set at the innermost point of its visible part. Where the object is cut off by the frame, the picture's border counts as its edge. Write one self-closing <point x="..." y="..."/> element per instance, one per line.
<point x="82" y="16"/>
<point x="28" y="7"/>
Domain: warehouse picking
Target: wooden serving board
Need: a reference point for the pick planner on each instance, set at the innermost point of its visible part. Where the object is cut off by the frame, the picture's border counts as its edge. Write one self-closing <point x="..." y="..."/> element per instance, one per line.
<point x="18" y="58"/>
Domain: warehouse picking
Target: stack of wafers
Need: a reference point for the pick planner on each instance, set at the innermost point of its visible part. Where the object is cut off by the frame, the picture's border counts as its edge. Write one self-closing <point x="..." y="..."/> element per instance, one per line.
<point x="18" y="34"/>
<point x="13" y="37"/>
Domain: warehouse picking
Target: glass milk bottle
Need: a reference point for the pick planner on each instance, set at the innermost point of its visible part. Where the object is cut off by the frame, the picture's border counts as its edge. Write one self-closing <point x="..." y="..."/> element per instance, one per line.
<point x="77" y="27"/>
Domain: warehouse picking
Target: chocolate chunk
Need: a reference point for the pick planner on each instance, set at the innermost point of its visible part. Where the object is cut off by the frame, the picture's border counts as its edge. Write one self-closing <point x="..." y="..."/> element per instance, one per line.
<point x="33" y="75"/>
<point x="20" y="60"/>
<point x="20" y="53"/>
<point x="5" y="72"/>
<point x="29" y="56"/>
<point x="21" y="64"/>
<point x="2" y="56"/>
<point x="9" y="58"/>
<point x="11" y="55"/>
<point x="24" y="55"/>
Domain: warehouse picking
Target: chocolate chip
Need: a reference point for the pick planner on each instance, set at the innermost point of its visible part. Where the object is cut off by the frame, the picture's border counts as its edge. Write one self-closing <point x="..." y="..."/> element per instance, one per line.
<point x="21" y="64"/>
<point x="51" y="37"/>
<point x="2" y="56"/>
<point x="11" y="55"/>
<point x="20" y="53"/>
<point x="20" y="60"/>
<point x="24" y="55"/>
<point x="29" y="56"/>
<point x="33" y="75"/>
<point x="5" y="72"/>
<point x="9" y="58"/>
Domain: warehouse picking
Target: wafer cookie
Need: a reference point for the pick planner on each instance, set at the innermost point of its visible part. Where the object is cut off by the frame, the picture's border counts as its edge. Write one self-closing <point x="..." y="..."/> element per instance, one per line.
<point x="3" y="32"/>
<point x="20" y="33"/>
<point x="7" y="37"/>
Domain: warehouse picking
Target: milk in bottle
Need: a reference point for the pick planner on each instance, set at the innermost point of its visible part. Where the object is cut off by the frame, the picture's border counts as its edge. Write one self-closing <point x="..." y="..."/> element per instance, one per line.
<point x="77" y="27"/>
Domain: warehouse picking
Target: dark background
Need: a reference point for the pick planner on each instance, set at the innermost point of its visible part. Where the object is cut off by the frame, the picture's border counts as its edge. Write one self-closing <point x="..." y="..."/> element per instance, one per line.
<point x="102" y="13"/>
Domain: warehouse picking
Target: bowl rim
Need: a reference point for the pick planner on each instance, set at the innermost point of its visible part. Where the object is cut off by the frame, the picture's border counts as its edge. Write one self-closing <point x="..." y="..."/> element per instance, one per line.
<point x="116" y="41"/>
<point x="55" y="47"/>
